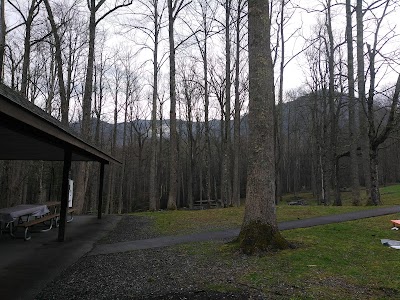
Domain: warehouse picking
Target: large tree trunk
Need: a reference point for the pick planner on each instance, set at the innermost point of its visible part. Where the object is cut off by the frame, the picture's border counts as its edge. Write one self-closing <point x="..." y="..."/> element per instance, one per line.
<point x="332" y="110"/>
<point x="353" y="136"/>
<point x="153" y="185"/>
<point x="87" y="96"/>
<point x="279" y="115"/>
<point x="259" y="230"/>
<point x="375" y="198"/>
<point x="236" y="164"/>
<point x="226" y="188"/>
<point x="173" y="163"/>
<point x="80" y="185"/>
<point x="361" y="97"/>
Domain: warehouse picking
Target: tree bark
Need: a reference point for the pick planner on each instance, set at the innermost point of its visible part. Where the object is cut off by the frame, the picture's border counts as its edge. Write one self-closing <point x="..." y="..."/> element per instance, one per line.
<point x="375" y="196"/>
<point x="190" y="159"/>
<point x="153" y="185"/>
<point x="206" y="113"/>
<point x="361" y="98"/>
<point x="59" y="63"/>
<point x="87" y="95"/>
<point x="353" y="134"/>
<point x="332" y="110"/>
<point x="378" y="135"/>
<point x="27" y="48"/>
<point x="236" y="166"/>
<point x="173" y="163"/>
<point x="279" y="115"/>
<point x="226" y="184"/>
<point x="124" y="160"/>
<point x="259" y="231"/>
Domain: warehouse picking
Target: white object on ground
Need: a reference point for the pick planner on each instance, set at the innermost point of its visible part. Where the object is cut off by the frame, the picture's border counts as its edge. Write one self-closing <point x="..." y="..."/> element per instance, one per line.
<point x="391" y="243"/>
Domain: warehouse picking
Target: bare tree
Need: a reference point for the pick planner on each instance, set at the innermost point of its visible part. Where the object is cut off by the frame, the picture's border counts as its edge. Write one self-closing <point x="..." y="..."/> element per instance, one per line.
<point x="361" y="96"/>
<point x="189" y="90"/>
<point x="116" y="85"/>
<point x="279" y="117"/>
<point x="378" y="133"/>
<point x="202" y="33"/>
<point x="94" y="7"/>
<point x="333" y="167"/>
<point x="226" y="178"/>
<point x="260" y="230"/>
<point x="59" y="63"/>
<point x="174" y="7"/>
<point x="236" y="164"/>
<point x="149" y="21"/>
<point x="131" y="94"/>
<point x="153" y="186"/>
<point x="353" y="132"/>
<point x="27" y="21"/>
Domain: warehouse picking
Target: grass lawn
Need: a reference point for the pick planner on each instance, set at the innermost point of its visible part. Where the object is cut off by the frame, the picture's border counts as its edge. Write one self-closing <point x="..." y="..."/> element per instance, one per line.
<point x="337" y="261"/>
<point x="190" y="221"/>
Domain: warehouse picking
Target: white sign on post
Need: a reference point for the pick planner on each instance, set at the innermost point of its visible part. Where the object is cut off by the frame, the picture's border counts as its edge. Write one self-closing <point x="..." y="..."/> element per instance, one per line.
<point x="70" y="192"/>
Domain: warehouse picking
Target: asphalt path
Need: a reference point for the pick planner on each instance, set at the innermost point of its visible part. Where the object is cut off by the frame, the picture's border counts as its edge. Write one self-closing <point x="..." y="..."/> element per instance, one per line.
<point x="166" y="241"/>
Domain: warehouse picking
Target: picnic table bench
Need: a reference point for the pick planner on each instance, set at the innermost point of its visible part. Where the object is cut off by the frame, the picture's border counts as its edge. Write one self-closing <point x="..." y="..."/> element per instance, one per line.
<point x="52" y="218"/>
<point x="297" y="202"/>
<point x="205" y="204"/>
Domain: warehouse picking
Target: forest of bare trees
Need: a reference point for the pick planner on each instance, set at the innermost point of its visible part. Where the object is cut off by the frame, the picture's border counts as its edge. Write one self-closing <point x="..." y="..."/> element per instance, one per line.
<point x="163" y="85"/>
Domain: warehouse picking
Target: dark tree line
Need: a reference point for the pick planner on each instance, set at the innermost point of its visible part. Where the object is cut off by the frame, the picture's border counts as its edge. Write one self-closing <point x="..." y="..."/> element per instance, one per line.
<point x="164" y="87"/>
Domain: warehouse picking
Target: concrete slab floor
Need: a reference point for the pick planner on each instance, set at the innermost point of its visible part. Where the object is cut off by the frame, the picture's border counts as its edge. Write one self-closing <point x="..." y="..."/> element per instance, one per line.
<point x="27" y="266"/>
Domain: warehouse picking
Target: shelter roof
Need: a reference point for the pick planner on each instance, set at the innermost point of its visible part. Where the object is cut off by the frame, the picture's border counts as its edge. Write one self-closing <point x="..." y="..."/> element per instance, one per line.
<point x="29" y="133"/>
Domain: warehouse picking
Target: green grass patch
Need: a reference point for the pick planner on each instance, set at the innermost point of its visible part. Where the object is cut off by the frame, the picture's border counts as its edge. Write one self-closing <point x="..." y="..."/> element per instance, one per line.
<point x="336" y="261"/>
<point x="191" y="221"/>
<point x="390" y="195"/>
<point x="349" y="251"/>
<point x="333" y="261"/>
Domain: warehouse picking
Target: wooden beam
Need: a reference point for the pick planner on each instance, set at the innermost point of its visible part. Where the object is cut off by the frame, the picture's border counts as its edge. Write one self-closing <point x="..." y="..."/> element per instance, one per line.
<point x="64" y="194"/>
<point x="100" y="204"/>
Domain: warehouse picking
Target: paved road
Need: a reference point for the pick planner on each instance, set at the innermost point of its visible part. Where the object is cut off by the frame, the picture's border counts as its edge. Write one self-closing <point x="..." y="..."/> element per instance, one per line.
<point x="226" y="234"/>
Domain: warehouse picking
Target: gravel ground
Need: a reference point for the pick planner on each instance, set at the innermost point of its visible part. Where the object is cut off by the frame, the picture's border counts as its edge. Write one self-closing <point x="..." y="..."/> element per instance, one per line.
<point x="164" y="273"/>
<point x="172" y="273"/>
<point x="145" y="274"/>
<point x="130" y="228"/>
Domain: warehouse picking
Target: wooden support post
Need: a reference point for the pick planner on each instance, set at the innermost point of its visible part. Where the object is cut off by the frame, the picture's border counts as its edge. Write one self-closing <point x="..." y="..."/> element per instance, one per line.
<point x="64" y="195"/>
<point x="100" y="204"/>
